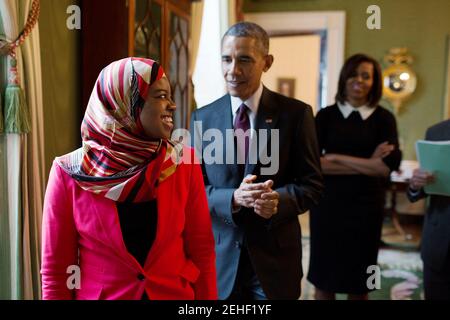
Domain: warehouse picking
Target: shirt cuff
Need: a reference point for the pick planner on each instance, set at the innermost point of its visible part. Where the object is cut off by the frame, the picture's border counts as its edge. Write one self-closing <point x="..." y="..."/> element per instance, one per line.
<point x="414" y="192"/>
<point x="236" y="209"/>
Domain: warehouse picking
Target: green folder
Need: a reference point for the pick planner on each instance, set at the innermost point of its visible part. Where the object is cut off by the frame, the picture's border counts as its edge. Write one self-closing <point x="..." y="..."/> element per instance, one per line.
<point x="434" y="156"/>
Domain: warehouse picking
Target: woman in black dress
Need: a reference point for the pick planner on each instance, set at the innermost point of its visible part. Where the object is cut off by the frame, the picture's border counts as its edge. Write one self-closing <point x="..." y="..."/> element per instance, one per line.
<point x="359" y="145"/>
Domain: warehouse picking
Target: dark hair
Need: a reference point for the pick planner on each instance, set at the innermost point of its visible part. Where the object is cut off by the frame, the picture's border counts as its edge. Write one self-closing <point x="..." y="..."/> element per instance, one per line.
<point x="350" y="65"/>
<point x="250" y="30"/>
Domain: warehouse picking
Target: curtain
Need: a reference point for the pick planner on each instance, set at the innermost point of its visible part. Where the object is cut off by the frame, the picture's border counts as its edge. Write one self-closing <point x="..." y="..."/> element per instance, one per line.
<point x="5" y="256"/>
<point x="22" y="168"/>
<point x="33" y="179"/>
<point x="209" y="84"/>
<point x="234" y="12"/>
<point x="196" y="28"/>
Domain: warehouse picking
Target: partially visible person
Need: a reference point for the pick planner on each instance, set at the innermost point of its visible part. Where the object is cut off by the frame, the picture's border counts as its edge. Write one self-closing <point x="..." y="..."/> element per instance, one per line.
<point x="435" y="246"/>
<point x="124" y="208"/>
<point x="359" y="145"/>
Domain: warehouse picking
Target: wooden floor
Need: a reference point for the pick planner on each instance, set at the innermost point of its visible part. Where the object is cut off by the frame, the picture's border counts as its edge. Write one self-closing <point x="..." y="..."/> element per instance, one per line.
<point x="398" y="255"/>
<point x="410" y="240"/>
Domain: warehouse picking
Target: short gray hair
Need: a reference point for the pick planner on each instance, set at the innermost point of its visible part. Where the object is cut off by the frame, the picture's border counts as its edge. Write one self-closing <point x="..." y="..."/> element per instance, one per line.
<point x="250" y="30"/>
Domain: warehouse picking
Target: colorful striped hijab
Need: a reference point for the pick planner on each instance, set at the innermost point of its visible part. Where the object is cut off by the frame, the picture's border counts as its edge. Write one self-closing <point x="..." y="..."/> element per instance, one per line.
<point x="117" y="160"/>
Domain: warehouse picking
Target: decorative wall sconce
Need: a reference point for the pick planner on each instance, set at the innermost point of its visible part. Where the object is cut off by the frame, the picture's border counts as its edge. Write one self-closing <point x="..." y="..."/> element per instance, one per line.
<point x="399" y="80"/>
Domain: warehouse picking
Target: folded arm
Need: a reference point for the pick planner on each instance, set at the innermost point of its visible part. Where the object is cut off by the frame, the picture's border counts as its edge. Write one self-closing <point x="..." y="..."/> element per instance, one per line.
<point x="334" y="168"/>
<point x="374" y="167"/>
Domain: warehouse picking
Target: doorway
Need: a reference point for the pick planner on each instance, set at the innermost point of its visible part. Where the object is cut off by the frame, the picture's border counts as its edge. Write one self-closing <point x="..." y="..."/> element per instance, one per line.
<point x="296" y="68"/>
<point x="329" y="25"/>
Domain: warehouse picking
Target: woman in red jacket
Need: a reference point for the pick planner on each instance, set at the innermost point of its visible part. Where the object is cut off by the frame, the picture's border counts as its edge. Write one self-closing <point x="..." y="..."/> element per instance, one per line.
<point x="126" y="216"/>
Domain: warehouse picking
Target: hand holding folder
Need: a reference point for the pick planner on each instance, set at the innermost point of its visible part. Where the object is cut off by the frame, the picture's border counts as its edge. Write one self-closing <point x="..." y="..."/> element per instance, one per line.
<point x="434" y="157"/>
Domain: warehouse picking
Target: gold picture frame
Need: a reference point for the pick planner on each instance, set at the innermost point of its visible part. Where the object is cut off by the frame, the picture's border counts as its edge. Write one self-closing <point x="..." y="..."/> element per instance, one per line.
<point x="286" y="87"/>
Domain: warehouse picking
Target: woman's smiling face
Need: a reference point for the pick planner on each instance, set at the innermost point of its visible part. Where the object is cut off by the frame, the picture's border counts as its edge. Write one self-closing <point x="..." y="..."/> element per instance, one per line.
<point x="359" y="84"/>
<point x="157" y="114"/>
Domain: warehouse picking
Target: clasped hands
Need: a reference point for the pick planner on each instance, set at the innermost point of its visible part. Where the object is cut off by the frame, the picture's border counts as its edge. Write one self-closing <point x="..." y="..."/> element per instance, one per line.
<point x="258" y="196"/>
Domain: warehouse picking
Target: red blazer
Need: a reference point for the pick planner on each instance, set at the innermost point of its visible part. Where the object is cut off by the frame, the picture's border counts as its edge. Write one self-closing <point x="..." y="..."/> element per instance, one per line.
<point x="82" y="229"/>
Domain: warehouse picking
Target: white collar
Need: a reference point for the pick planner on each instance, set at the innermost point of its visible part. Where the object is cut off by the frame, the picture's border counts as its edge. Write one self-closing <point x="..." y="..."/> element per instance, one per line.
<point x="252" y="103"/>
<point x="347" y="108"/>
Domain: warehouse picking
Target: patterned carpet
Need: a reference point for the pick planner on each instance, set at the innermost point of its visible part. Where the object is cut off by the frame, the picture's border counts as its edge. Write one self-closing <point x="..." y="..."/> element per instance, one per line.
<point x="401" y="275"/>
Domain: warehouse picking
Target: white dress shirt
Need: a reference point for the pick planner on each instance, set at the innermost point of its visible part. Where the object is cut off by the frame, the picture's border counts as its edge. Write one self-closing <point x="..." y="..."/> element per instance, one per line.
<point x="252" y="103"/>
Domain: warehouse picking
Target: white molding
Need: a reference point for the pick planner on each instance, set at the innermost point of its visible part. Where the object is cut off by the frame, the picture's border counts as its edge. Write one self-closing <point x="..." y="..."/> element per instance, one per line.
<point x="309" y="21"/>
<point x="447" y="84"/>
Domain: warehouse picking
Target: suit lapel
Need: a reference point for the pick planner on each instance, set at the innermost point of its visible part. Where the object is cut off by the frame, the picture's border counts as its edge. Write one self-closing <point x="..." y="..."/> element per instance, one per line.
<point x="224" y="116"/>
<point x="108" y="217"/>
<point x="224" y="121"/>
<point x="266" y="119"/>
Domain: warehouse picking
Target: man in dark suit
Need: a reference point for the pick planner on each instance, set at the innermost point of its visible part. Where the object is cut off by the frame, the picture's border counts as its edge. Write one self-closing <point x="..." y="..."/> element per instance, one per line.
<point x="273" y="176"/>
<point x="435" y="248"/>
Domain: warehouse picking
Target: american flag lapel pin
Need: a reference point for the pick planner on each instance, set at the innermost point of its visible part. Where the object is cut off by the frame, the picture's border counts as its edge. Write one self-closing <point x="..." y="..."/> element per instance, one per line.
<point x="269" y="120"/>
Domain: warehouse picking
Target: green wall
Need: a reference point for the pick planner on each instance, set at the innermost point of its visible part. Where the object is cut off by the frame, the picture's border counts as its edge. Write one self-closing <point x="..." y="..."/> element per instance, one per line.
<point x="421" y="26"/>
<point x="61" y="71"/>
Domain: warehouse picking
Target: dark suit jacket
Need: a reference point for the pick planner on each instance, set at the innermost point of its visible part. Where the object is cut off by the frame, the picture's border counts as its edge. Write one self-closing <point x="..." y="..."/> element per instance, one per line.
<point x="274" y="245"/>
<point x="436" y="229"/>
